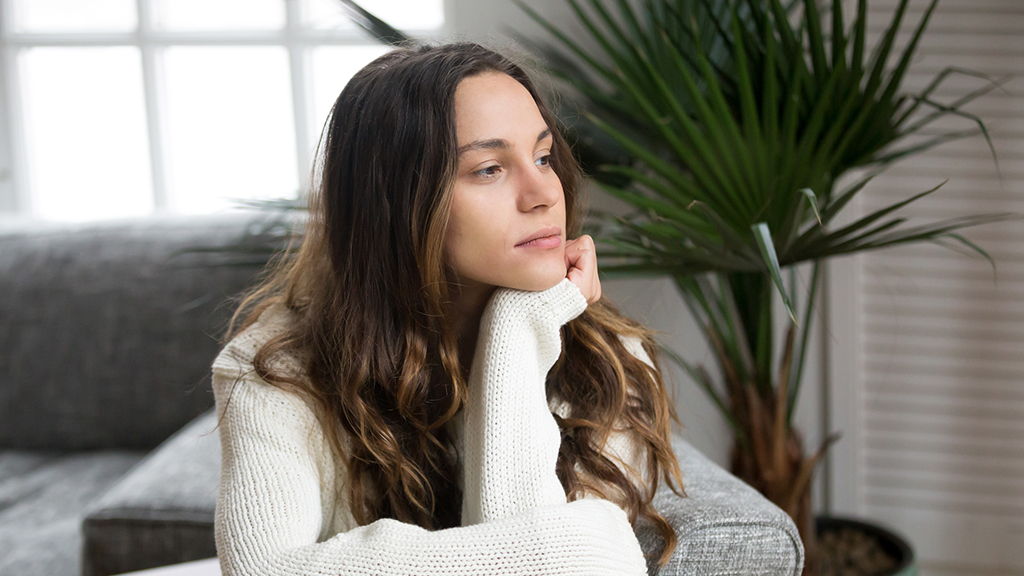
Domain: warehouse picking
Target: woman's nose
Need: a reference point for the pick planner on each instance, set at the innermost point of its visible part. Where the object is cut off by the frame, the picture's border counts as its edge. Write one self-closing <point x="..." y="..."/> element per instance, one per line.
<point x="538" y="187"/>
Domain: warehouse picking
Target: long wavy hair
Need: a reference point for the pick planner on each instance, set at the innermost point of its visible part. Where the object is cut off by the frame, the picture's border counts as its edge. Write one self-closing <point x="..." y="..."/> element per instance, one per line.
<point x="371" y="296"/>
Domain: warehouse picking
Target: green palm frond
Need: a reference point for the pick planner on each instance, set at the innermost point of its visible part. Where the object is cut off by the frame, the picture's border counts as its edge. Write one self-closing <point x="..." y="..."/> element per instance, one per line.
<point x="731" y="122"/>
<point x="379" y="29"/>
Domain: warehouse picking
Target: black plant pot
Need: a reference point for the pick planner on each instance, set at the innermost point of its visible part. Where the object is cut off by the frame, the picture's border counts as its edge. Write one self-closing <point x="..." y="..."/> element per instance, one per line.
<point x="892" y="544"/>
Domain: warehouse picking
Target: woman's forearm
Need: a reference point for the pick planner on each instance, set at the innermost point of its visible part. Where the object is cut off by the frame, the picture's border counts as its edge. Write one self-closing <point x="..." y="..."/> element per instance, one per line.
<point x="578" y="538"/>
<point x="511" y="440"/>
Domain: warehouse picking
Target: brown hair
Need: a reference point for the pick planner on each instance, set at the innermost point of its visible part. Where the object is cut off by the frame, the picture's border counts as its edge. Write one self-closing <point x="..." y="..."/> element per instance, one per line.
<point x="374" y="327"/>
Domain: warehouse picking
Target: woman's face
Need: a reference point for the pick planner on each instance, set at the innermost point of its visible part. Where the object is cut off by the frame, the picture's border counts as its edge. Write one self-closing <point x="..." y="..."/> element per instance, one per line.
<point x="506" y="192"/>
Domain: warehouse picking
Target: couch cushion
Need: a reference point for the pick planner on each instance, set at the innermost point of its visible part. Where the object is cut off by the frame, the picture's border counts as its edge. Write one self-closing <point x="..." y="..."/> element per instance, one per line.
<point x="161" y="512"/>
<point x="109" y="329"/>
<point x="43" y="497"/>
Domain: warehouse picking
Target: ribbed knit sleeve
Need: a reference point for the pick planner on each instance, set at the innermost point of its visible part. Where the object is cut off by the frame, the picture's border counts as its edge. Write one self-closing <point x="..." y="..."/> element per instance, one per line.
<point x="511" y="442"/>
<point x="277" y="502"/>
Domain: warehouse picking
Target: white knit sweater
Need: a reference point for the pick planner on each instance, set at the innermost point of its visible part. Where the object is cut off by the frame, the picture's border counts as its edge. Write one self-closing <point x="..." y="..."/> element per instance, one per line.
<point x="279" y="511"/>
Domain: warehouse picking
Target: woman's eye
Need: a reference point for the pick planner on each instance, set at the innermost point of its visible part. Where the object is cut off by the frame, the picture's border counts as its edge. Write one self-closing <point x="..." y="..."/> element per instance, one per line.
<point x="489" y="171"/>
<point x="544" y="160"/>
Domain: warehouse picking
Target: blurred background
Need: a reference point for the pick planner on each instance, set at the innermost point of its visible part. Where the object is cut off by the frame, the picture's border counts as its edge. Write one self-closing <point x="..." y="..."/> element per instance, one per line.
<point x="113" y="109"/>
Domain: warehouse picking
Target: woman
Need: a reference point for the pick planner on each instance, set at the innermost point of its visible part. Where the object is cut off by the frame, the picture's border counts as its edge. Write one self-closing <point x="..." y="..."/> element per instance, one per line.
<point x="433" y="384"/>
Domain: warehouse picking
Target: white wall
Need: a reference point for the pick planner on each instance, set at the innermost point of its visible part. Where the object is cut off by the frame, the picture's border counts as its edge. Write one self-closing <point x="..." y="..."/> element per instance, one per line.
<point x="488" y="20"/>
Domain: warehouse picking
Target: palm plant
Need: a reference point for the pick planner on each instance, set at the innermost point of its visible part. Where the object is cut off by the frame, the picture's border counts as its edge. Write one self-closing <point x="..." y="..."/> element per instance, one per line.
<point x="732" y="123"/>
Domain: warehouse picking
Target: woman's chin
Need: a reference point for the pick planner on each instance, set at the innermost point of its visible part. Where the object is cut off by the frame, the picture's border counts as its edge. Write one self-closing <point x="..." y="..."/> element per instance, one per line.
<point x="534" y="276"/>
<point x="540" y="282"/>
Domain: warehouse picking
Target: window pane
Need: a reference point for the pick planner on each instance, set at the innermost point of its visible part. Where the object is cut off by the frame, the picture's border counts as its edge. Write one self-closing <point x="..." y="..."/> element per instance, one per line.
<point x="402" y="14"/>
<point x="231" y="127"/>
<point x="218" y="14"/>
<point x="332" y="68"/>
<point x="85" y="130"/>
<point x="74" y="15"/>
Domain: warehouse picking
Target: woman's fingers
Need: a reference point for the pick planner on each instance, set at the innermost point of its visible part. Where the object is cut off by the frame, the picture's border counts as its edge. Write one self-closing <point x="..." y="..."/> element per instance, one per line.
<point x="581" y="267"/>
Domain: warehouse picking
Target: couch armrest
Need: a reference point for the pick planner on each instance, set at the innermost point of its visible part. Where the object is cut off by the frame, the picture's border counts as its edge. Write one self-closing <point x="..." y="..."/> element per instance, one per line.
<point x="724" y="526"/>
<point x="161" y="511"/>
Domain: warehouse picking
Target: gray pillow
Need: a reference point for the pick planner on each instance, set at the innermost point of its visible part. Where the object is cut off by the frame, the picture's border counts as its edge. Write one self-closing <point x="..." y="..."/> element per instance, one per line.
<point x="161" y="511"/>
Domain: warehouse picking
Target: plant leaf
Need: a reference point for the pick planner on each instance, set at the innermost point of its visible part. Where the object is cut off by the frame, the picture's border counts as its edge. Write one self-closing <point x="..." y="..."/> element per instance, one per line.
<point x="797" y="378"/>
<point x="977" y="249"/>
<point x="813" y="200"/>
<point x="379" y="29"/>
<point x="763" y="237"/>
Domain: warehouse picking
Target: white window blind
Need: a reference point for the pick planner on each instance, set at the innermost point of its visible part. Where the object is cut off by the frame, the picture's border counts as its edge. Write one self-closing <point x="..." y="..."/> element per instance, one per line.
<point x="928" y="369"/>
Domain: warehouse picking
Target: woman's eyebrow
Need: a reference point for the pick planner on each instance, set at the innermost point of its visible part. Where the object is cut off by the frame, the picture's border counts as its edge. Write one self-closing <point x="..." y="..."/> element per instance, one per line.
<point x="496" y="143"/>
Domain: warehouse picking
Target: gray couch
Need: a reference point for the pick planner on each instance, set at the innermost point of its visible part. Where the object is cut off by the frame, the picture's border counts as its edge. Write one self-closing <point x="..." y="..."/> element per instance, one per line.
<point x="109" y="461"/>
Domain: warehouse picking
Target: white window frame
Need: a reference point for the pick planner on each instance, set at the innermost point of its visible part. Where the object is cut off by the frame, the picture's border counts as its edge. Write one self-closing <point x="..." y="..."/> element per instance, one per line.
<point x="15" y="188"/>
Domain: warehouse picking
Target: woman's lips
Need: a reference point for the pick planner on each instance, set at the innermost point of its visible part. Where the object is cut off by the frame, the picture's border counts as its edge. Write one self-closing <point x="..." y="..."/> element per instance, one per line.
<point x="546" y="237"/>
<point x="546" y="242"/>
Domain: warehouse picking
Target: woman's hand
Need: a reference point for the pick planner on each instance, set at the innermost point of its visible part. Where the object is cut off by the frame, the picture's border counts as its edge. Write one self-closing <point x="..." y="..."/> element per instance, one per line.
<point x="581" y="267"/>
